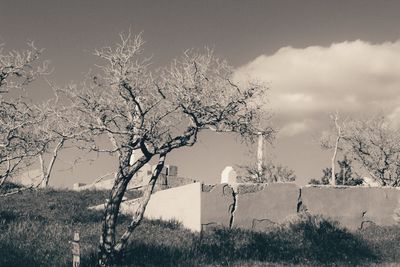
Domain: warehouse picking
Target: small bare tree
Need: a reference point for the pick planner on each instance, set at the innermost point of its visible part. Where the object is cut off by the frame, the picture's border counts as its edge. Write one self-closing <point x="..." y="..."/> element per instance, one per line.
<point x="53" y="133"/>
<point x="156" y="113"/>
<point x="332" y="140"/>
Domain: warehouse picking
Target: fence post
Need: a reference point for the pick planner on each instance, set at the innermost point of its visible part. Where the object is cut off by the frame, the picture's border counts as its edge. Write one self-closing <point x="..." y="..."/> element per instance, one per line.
<point x="76" y="252"/>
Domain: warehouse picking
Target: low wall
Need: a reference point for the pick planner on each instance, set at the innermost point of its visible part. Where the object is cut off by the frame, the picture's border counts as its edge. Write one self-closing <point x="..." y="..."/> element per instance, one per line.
<point x="260" y="206"/>
<point x="264" y="206"/>
<point x="179" y="203"/>
<point x="217" y="205"/>
<point x="353" y="207"/>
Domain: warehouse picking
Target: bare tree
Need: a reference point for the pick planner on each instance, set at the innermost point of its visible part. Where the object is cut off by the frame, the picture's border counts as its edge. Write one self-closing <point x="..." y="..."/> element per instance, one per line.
<point x="332" y="140"/>
<point x="156" y="113"/>
<point x="53" y="133"/>
<point x="17" y="114"/>
<point x="17" y="143"/>
<point x="19" y="68"/>
<point x="375" y="144"/>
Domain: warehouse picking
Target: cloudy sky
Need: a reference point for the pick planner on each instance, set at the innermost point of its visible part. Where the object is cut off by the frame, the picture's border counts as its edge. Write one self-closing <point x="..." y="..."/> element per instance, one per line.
<point x="317" y="57"/>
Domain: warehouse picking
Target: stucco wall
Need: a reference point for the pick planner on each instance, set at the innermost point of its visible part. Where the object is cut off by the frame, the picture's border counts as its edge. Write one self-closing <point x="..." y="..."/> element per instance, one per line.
<point x="260" y="207"/>
<point x="179" y="203"/>
<point x="217" y="204"/>
<point x="353" y="207"/>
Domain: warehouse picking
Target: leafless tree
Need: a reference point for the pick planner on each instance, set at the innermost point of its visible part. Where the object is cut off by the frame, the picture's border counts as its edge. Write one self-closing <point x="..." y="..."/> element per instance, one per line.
<point x="17" y="114"/>
<point x="17" y="143"/>
<point x="156" y="113"/>
<point x="332" y="140"/>
<point x="19" y="68"/>
<point x="53" y="133"/>
<point x="375" y="144"/>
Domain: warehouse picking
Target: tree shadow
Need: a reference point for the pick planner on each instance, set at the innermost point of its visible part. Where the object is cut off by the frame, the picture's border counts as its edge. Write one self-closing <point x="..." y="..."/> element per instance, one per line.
<point x="315" y="242"/>
<point x="13" y="256"/>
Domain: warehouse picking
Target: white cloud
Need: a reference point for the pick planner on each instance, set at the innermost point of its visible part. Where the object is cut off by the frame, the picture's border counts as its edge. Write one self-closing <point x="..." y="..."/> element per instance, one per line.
<point x="350" y="77"/>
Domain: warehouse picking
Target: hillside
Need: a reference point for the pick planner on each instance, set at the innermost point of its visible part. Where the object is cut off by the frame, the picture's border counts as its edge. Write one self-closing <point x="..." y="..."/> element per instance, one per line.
<point x="35" y="228"/>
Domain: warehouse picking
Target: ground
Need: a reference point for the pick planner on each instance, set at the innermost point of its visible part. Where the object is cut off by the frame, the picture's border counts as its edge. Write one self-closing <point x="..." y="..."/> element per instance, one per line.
<point x="36" y="227"/>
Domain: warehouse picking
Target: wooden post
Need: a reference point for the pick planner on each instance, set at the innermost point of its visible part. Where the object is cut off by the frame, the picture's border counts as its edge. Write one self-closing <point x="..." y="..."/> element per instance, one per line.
<point x="76" y="251"/>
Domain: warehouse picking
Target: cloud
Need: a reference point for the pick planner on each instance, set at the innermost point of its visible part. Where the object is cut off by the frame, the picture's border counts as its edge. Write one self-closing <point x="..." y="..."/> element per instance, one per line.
<point x="308" y="83"/>
<point x="294" y="128"/>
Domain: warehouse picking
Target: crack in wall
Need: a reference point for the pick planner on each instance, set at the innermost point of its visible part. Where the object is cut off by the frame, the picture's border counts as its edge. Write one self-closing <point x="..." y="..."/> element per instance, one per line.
<point x="300" y="205"/>
<point x="233" y="208"/>
<point x="369" y="222"/>
<point x="255" y="221"/>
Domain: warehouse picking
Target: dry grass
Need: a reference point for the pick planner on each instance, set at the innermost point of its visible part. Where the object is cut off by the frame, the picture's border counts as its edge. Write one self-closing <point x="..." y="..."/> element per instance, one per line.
<point x="35" y="228"/>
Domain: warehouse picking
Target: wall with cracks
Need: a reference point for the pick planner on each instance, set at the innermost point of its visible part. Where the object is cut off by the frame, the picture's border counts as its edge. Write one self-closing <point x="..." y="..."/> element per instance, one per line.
<point x="353" y="207"/>
<point x="218" y="205"/>
<point x="262" y="206"/>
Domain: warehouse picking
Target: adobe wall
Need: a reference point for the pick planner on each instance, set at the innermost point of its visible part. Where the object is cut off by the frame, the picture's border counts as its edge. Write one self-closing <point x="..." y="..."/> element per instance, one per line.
<point x="261" y="206"/>
<point x="353" y="207"/>
<point x="179" y="203"/>
<point x="217" y="205"/>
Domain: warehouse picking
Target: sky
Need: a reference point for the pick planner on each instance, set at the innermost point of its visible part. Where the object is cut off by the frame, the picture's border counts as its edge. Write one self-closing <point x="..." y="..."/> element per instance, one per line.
<point x="316" y="57"/>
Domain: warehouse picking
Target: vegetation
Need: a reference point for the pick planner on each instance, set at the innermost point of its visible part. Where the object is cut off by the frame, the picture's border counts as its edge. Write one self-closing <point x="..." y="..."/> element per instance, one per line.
<point x="145" y="115"/>
<point x="137" y="110"/>
<point x="35" y="227"/>
<point x="20" y="137"/>
<point x="373" y="143"/>
<point x="345" y="176"/>
<point x="270" y="172"/>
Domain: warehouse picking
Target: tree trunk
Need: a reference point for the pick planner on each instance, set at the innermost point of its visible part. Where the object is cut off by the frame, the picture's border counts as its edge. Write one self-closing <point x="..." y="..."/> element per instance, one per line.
<point x="47" y="172"/>
<point x="333" y="162"/>
<point x="138" y="215"/>
<point x="339" y="136"/>
<point x="107" y="254"/>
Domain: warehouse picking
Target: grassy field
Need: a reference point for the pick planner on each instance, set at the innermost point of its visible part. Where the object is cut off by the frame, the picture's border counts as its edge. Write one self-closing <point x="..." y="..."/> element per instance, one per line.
<point x="35" y="228"/>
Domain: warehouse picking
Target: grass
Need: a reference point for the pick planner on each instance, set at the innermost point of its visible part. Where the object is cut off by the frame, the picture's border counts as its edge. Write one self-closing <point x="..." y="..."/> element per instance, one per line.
<point x="35" y="228"/>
